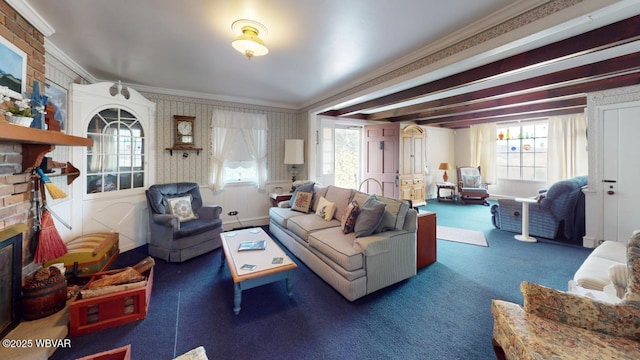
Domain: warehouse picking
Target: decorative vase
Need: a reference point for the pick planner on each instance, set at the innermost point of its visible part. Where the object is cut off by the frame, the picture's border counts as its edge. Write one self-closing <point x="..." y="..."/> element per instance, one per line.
<point x="501" y="135"/>
<point x="20" y="120"/>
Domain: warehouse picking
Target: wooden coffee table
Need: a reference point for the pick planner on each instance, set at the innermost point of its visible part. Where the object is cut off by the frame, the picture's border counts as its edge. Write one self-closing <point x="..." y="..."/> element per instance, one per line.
<point x="265" y="271"/>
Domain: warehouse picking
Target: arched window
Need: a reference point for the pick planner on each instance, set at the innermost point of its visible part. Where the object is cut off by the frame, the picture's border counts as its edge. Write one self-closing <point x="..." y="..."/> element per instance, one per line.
<point x="116" y="160"/>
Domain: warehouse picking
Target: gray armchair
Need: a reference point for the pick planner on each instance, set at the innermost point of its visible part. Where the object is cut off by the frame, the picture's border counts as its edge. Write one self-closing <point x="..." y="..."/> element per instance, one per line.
<point x="175" y="241"/>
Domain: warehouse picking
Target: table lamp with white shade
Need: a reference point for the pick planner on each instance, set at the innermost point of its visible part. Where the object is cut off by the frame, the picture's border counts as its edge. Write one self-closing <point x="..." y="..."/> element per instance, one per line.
<point x="293" y="155"/>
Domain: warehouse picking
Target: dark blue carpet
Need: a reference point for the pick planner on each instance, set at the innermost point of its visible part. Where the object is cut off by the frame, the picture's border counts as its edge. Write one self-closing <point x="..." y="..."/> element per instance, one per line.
<point x="442" y="313"/>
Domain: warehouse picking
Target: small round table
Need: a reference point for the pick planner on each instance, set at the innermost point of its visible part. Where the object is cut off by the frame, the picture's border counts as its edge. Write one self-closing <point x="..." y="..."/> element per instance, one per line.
<point x="525" y="220"/>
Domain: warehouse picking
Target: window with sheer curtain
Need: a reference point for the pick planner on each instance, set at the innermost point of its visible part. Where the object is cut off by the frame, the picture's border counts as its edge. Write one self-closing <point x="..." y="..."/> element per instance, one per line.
<point x="522" y="150"/>
<point x="238" y="148"/>
<point x="548" y="150"/>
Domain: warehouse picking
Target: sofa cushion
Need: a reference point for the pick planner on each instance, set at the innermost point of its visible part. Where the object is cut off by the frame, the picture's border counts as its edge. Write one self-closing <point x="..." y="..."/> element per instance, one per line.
<point x="302" y="201"/>
<point x="339" y="196"/>
<point x="301" y="226"/>
<point x="594" y="272"/>
<point x="325" y="209"/>
<point x="360" y="197"/>
<point x="394" y="214"/>
<point x="318" y="192"/>
<point x="338" y="247"/>
<point x="308" y="187"/>
<point x="282" y="215"/>
<point x="611" y="250"/>
<point x="195" y="227"/>
<point x="369" y="217"/>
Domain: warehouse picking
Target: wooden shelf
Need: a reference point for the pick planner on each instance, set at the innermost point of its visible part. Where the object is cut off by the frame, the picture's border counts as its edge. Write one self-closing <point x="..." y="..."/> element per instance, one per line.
<point x="36" y="143"/>
<point x="25" y="135"/>
<point x="183" y="148"/>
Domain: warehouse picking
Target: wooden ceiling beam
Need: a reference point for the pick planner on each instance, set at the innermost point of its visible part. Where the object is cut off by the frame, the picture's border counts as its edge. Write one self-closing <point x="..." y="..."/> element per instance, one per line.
<point x="549" y="95"/>
<point x="462" y="124"/>
<point x="539" y="97"/>
<point x="610" y="35"/>
<point x="522" y="109"/>
<point x="485" y="97"/>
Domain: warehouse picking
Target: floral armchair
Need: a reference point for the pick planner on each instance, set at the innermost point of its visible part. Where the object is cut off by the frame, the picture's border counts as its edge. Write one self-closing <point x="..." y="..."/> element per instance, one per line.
<point x="558" y="325"/>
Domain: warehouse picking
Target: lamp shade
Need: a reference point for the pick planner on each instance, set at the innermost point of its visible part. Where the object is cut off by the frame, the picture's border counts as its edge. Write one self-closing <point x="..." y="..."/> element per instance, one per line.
<point x="294" y="151"/>
<point x="444" y="166"/>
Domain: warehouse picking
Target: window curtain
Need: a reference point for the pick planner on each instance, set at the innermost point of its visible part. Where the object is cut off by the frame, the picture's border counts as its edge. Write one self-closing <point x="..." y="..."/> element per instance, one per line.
<point x="567" y="147"/>
<point x="483" y="150"/>
<point x="254" y="130"/>
<point x="256" y="139"/>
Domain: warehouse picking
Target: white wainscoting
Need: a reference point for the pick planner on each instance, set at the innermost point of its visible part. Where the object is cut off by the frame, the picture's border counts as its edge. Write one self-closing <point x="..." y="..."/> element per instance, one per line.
<point x="251" y="204"/>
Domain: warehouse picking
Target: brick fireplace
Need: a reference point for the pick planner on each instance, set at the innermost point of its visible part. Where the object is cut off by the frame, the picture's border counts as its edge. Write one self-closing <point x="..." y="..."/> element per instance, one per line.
<point x="15" y="185"/>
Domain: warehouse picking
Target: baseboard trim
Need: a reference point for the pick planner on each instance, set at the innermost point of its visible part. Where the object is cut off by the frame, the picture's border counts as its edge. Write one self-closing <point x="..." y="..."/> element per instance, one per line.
<point x="589" y="242"/>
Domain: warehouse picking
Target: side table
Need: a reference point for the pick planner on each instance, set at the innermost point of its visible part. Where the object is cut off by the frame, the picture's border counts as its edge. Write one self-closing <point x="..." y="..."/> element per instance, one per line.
<point x="448" y="186"/>
<point x="276" y="198"/>
<point x="426" y="237"/>
<point x="525" y="219"/>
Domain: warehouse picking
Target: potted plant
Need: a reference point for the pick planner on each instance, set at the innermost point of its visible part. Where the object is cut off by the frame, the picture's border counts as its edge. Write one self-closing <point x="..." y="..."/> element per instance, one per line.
<point x="18" y="109"/>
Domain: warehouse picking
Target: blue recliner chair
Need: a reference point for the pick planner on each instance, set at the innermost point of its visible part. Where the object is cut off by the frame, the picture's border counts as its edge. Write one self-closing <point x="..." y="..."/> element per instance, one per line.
<point x="559" y="213"/>
<point x="174" y="240"/>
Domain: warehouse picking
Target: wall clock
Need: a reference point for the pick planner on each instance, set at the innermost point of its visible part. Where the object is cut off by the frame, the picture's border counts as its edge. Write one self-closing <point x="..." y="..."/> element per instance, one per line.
<point x="184" y="131"/>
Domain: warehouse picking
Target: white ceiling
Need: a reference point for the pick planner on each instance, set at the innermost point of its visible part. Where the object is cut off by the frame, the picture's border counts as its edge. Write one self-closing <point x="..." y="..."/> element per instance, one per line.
<point x="315" y="46"/>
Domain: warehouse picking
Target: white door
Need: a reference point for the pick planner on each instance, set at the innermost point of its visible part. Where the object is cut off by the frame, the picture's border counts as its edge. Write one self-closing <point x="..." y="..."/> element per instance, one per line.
<point x="109" y="195"/>
<point x="621" y="171"/>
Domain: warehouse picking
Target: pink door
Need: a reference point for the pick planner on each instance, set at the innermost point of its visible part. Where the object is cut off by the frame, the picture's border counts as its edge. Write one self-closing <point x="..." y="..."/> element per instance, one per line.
<point x="381" y="147"/>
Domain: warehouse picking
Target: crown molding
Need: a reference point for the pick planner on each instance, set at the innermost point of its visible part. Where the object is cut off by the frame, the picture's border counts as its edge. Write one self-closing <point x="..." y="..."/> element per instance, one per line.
<point x="564" y="23"/>
<point x="502" y="15"/>
<point x="28" y="12"/>
<point x="54" y="51"/>
<point x="206" y="96"/>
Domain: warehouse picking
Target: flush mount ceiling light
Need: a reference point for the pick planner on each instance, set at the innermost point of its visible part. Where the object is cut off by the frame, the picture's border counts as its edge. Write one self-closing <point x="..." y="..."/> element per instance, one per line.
<point x="248" y="42"/>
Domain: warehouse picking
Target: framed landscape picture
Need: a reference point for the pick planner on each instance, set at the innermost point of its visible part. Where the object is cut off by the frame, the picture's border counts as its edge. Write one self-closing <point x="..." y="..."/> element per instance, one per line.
<point x="57" y="96"/>
<point x="13" y="67"/>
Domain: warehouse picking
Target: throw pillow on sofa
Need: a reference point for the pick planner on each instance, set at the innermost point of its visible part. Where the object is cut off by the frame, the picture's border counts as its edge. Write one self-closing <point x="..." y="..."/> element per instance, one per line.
<point x="325" y="209"/>
<point x="308" y="187"/>
<point x="394" y="215"/>
<point x="348" y="222"/>
<point x="302" y="201"/>
<point x="369" y="217"/>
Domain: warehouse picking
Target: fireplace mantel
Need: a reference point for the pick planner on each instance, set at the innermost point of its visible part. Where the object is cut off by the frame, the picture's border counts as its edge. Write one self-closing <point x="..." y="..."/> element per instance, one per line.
<point x="36" y="143"/>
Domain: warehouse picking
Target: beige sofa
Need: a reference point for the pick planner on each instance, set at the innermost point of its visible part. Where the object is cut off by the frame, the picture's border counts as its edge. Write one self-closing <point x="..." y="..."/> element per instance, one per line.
<point x="353" y="266"/>
<point x="594" y="273"/>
